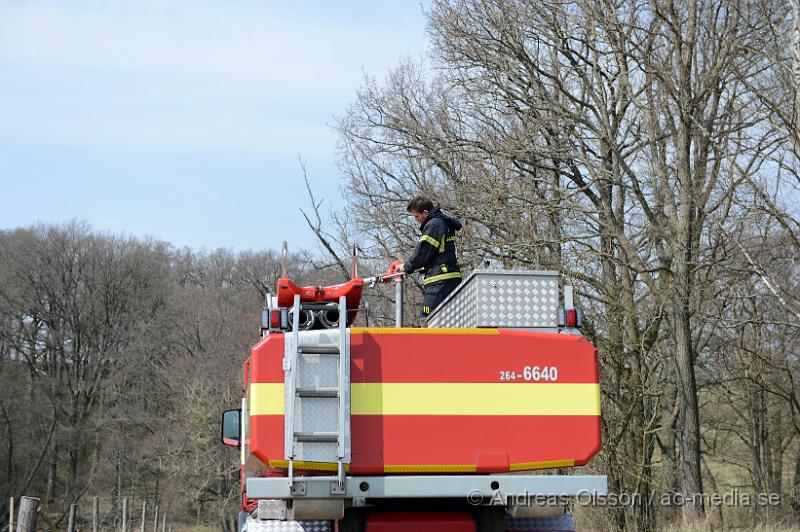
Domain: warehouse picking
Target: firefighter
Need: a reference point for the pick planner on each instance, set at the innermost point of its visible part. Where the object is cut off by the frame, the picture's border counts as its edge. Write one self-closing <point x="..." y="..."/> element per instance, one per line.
<point x="435" y="252"/>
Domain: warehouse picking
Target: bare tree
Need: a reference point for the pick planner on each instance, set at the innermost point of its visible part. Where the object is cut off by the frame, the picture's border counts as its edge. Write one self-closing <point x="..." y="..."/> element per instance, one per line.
<point x="611" y="141"/>
<point x="75" y="299"/>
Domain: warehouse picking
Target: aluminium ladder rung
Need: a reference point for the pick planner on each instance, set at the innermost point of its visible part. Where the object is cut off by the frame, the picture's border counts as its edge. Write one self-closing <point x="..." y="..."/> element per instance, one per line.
<point x="318" y="350"/>
<point x="329" y="392"/>
<point x="321" y="437"/>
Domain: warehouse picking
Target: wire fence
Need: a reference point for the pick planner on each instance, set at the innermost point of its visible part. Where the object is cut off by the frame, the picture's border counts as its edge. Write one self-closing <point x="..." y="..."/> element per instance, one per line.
<point x="30" y="516"/>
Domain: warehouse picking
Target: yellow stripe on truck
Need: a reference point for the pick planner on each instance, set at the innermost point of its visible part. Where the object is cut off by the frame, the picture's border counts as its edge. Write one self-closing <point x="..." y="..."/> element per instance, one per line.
<point x="312" y="466"/>
<point x="451" y="399"/>
<point x="433" y="468"/>
<point x="266" y="399"/>
<point x="474" y="399"/>
<point x="550" y="464"/>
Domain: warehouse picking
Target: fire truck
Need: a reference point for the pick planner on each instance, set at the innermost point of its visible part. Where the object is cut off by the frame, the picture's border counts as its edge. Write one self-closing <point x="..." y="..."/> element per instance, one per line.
<point x="474" y="423"/>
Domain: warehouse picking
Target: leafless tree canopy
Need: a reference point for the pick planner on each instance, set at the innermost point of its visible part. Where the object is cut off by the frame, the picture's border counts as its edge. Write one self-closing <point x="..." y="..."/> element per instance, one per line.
<point x="649" y="151"/>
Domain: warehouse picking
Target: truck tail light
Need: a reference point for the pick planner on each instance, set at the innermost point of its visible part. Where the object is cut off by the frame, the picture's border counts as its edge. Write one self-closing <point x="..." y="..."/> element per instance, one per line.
<point x="571" y="318"/>
<point x="274" y="319"/>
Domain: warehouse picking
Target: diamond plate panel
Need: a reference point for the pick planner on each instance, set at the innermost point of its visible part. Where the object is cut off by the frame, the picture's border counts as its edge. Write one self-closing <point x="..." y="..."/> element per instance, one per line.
<point x="316" y="414"/>
<point x="517" y="301"/>
<point x="458" y="310"/>
<point x="271" y="509"/>
<point x="254" y="525"/>
<point x="317" y="451"/>
<point x="317" y="371"/>
<point x="501" y="298"/>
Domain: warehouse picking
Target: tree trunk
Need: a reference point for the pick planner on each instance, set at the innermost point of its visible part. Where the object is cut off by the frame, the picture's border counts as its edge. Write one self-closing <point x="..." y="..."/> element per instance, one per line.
<point x="74" y="459"/>
<point x="684" y="233"/>
<point x="52" y="475"/>
<point x="796" y="65"/>
<point x="10" y="452"/>
<point x="688" y="417"/>
<point x="688" y="411"/>
<point x="776" y="447"/>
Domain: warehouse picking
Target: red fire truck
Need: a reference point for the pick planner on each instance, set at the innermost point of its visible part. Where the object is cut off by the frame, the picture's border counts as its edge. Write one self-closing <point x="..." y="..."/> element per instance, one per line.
<point x="459" y="426"/>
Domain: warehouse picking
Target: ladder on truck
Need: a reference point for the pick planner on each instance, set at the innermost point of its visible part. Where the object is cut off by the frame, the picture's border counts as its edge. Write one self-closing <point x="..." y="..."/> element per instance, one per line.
<point x="316" y="369"/>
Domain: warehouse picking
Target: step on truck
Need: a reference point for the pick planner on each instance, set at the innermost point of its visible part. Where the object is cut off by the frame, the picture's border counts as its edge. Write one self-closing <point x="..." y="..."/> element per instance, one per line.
<point x="474" y="423"/>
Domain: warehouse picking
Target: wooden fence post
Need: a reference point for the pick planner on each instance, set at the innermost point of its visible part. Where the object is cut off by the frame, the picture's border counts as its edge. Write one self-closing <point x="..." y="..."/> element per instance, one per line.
<point x="71" y="521"/>
<point x="95" y="513"/>
<point x="125" y="514"/>
<point x="26" y="521"/>
<point x="144" y="515"/>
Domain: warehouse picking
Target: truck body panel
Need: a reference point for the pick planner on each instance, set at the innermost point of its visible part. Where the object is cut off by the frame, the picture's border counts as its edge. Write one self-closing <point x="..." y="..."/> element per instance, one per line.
<point x="447" y="401"/>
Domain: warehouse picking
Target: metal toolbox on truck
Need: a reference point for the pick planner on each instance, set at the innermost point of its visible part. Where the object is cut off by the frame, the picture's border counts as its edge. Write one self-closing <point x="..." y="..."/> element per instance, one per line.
<point x="501" y="298"/>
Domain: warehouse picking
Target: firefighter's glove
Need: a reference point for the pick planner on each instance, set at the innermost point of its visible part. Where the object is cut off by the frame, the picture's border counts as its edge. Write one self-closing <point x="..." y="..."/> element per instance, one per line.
<point x="394" y="268"/>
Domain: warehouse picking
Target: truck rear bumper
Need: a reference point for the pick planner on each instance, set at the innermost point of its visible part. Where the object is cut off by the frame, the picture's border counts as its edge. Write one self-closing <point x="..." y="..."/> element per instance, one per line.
<point x="477" y="489"/>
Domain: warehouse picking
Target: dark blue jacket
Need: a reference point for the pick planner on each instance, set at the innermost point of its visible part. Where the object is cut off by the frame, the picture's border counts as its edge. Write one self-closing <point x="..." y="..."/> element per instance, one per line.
<point x="436" y="249"/>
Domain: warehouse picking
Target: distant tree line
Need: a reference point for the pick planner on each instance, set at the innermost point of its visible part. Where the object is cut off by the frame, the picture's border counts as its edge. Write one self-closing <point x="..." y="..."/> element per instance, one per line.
<point x="117" y="356"/>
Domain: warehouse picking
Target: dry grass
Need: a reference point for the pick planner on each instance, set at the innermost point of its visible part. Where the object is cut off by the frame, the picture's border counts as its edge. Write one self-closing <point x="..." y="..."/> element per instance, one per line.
<point x="709" y="528"/>
<point x="178" y="527"/>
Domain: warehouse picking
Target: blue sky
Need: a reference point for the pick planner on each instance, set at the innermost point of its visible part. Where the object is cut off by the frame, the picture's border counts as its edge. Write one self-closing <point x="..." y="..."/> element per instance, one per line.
<point x="184" y="120"/>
